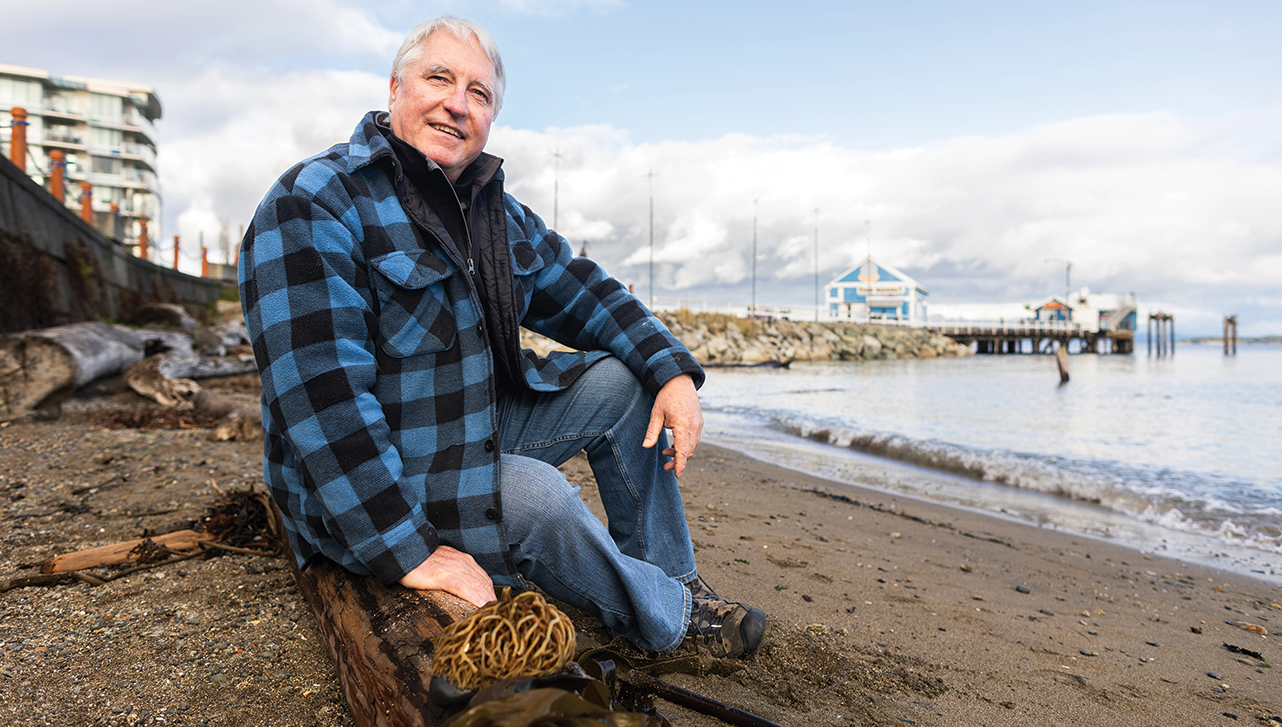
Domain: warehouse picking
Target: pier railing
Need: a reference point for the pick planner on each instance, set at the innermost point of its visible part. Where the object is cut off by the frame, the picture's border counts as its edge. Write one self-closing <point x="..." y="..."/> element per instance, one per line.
<point x="1017" y="328"/>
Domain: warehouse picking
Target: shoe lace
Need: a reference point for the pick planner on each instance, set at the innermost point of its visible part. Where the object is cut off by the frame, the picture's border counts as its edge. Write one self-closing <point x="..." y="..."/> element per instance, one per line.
<point x="699" y="588"/>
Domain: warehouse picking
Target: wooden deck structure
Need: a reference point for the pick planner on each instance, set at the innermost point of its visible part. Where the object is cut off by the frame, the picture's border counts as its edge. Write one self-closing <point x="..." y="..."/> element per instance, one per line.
<point x="1034" y="336"/>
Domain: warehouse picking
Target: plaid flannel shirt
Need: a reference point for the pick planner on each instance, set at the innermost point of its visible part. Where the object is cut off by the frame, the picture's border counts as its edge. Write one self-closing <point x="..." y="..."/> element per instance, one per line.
<point x="378" y="371"/>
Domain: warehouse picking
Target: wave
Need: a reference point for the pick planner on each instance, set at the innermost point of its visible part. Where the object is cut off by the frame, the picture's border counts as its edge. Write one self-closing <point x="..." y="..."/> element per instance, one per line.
<point x="1178" y="501"/>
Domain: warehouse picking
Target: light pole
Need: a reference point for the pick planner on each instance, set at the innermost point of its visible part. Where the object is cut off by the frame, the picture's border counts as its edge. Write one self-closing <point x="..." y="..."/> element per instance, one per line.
<point x="556" y="184"/>
<point x="816" y="265"/>
<point x="753" y="312"/>
<point x="1068" y="269"/>
<point x="650" y="177"/>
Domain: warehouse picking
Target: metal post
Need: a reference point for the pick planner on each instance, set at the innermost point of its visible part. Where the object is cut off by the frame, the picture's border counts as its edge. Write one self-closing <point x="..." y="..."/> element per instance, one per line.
<point x="650" y="177"/>
<point x="753" y="311"/>
<point x="86" y="202"/>
<point x="816" y="265"/>
<point x="556" y="182"/>
<point x="18" y="138"/>
<point x="58" y="175"/>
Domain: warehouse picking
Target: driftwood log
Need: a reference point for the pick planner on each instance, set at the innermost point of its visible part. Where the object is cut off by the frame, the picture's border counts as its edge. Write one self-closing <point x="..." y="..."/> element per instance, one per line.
<point x="238" y="423"/>
<point x="381" y="640"/>
<point x="169" y="380"/>
<point x="39" y="368"/>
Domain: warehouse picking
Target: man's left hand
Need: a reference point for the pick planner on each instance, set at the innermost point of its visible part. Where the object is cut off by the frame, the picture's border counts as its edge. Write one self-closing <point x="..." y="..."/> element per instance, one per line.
<point x="677" y="408"/>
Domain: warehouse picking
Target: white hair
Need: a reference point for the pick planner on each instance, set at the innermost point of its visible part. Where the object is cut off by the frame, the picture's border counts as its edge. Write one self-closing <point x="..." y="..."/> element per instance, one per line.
<point x="464" y="30"/>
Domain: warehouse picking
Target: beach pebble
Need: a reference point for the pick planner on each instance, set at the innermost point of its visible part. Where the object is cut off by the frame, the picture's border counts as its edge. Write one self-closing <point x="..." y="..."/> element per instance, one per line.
<point x="966" y="569"/>
<point x="1215" y="675"/>
<point x="1195" y="629"/>
<point x="1087" y="652"/>
<point x="1153" y="643"/>
<point x="1092" y="632"/>
<point x="1023" y="588"/>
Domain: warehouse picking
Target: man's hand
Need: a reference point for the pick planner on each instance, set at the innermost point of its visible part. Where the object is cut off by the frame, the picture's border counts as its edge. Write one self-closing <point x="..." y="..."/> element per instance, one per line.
<point x="447" y="569"/>
<point x="677" y="408"/>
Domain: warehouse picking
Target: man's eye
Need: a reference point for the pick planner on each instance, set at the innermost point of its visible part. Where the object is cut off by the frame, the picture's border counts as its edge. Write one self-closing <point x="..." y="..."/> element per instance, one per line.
<point x="481" y="96"/>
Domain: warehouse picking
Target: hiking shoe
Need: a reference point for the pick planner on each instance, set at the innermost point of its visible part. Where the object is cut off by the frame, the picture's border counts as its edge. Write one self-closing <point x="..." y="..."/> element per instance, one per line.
<point x="724" y="629"/>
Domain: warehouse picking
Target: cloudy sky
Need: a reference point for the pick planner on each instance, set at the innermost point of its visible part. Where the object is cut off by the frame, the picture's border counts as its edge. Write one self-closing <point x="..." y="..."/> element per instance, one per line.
<point x="975" y="145"/>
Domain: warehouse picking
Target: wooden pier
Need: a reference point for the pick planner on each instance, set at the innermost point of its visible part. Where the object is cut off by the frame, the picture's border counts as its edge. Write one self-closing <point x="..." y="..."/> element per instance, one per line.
<point x="1035" y="336"/>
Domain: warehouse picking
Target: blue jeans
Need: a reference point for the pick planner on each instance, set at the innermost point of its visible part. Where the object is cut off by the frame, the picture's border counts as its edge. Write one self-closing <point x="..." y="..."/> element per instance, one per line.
<point x="630" y="575"/>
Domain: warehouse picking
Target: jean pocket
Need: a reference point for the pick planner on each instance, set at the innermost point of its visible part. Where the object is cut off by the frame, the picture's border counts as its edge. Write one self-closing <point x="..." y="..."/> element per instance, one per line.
<point x="415" y="315"/>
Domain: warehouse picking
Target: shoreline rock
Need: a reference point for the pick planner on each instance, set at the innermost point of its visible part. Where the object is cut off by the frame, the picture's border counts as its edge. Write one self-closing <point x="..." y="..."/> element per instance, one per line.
<point x="721" y="338"/>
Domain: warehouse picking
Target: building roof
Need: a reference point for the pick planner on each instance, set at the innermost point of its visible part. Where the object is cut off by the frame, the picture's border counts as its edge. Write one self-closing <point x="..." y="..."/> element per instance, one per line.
<point x="870" y="270"/>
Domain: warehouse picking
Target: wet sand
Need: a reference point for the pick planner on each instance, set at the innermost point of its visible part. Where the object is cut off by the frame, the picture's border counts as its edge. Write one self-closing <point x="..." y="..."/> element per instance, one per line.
<point x="881" y="610"/>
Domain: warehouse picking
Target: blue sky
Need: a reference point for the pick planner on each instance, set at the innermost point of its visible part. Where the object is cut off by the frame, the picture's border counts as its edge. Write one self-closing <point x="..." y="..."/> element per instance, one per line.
<point x="1142" y="140"/>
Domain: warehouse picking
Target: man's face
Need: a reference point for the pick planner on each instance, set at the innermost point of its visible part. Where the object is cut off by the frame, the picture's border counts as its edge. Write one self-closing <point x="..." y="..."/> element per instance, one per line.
<point x="444" y="103"/>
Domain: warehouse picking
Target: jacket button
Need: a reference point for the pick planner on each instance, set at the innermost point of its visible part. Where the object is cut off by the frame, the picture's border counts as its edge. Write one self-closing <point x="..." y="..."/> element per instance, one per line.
<point x="489" y="445"/>
<point x="491" y="514"/>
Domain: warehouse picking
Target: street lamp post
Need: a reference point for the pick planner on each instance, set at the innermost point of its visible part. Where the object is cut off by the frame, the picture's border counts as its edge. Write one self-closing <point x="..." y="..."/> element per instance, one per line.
<point x="816" y="265"/>
<point x="753" y="312"/>
<point x="650" y="177"/>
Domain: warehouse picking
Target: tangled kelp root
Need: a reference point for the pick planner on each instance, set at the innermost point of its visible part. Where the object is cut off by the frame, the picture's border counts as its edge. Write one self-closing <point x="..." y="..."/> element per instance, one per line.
<point x="514" y="636"/>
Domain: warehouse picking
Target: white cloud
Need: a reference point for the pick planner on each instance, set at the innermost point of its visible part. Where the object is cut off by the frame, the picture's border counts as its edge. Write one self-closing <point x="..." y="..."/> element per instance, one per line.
<point x="1132" y="200"/>
<point x="256" y="128"/>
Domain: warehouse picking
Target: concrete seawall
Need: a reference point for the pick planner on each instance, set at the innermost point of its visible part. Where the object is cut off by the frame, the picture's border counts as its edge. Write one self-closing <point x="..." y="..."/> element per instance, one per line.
<point x="55" y="268"/>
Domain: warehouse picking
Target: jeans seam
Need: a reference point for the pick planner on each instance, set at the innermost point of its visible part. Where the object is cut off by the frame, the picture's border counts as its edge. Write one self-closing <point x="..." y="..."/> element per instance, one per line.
<point x="554" y="441"/>
<point x="636" y="498"/>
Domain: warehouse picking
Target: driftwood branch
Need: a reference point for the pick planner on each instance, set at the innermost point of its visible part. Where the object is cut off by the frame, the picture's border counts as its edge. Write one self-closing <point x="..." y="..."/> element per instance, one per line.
<point x="117" y="553"/>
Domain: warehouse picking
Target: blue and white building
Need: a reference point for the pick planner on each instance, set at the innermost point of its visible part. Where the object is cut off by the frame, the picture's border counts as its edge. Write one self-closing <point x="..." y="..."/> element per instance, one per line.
<point x="1091" y="312"/>
<point x="875" y="292"/>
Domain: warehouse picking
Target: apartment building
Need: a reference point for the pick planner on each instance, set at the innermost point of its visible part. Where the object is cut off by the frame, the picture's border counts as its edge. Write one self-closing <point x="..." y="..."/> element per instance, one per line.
<point x="105" y="131"/>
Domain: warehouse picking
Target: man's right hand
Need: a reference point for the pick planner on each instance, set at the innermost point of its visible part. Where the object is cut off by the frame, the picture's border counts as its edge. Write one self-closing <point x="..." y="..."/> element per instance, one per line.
<point x="447" y="569"/>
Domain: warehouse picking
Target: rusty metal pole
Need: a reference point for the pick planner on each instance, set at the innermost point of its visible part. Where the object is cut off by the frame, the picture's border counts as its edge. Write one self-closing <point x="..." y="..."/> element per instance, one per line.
<point x="175" y="252"/>
<point x="58" y="175"/>
<point x="142" y="239"/>
<point x="86" y="202"/>
<point x="18" y="138"/>
<point x="204" y="262"/>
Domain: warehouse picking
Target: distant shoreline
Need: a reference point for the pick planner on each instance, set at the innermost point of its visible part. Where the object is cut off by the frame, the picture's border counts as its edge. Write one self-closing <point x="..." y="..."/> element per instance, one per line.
<point x="1218" y="341"/>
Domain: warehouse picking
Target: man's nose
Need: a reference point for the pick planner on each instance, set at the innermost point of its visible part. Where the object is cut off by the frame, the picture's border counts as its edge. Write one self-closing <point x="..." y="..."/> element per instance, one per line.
<point x="456" y="101"/>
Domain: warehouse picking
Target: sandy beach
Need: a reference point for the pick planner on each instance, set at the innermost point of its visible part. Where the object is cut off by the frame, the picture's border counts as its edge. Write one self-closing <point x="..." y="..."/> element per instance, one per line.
<point x="882" y="610"/>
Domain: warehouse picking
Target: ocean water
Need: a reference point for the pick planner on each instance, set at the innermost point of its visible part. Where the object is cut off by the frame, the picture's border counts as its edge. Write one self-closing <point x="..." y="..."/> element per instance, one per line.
<point x="1178" y="455"/>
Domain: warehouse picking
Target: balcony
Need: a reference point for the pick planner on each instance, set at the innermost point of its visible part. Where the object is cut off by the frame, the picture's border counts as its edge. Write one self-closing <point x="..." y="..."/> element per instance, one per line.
<point x="139" y="179"/>
<point x="63" y="139"/>
<point x="136" y="123"/>
<point x="64" y="108"/>
<point x="139" y="152"/>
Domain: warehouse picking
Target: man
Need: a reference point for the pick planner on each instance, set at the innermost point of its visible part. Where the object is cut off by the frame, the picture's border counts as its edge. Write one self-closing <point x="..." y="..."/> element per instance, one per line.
<point x="407" y="435"/>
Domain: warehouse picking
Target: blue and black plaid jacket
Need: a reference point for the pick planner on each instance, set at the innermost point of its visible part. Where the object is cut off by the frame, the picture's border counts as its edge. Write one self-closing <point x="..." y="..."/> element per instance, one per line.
<point x="378" y="361"/>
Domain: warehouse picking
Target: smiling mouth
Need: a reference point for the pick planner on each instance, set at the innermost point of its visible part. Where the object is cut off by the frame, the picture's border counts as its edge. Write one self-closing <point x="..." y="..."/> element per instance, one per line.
<point x="443" y="128"/>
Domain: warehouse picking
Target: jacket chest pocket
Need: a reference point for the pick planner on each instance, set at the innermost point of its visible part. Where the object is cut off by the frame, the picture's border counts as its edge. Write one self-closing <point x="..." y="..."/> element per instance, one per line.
<point x="415" y="315"/>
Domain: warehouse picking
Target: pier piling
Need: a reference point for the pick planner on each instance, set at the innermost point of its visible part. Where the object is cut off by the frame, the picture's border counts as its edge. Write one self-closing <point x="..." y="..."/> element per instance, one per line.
<point x="1230" y="334"/>
<point x="1164" y="323"/>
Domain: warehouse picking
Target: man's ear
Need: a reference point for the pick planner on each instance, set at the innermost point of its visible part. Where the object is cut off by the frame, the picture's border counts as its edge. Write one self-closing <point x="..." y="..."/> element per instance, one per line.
<point x="392" y="87"/>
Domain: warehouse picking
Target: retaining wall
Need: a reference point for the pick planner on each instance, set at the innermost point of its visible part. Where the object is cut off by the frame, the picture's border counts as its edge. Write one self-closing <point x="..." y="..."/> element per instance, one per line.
<point x="55" y="268"/>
